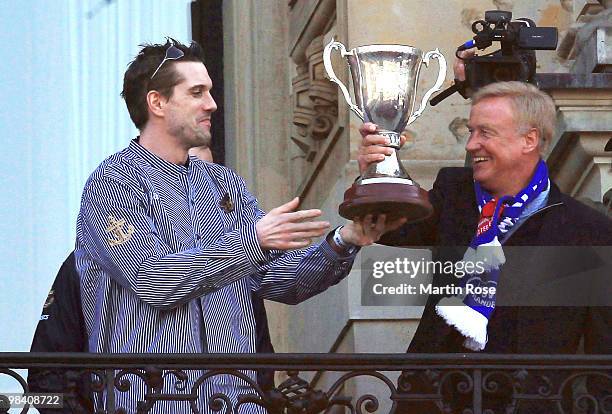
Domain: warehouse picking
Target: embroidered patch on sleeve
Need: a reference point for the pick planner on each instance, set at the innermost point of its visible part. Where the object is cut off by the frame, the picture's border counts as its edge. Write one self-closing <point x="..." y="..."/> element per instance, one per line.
<point x="119" y="232"/>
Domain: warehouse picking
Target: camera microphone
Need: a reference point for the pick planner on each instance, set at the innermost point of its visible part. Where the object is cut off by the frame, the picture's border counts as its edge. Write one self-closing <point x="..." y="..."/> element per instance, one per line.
<point x="458" y="86"/>
<point x="467" y="45"/>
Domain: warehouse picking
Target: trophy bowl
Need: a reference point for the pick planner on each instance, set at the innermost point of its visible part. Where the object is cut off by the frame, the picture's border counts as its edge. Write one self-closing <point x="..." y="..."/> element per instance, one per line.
<point x="385" y="79"/>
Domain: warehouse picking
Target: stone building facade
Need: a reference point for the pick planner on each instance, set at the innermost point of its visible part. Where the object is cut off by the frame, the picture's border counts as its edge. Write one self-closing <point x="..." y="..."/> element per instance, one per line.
<point x="289" y="131"/>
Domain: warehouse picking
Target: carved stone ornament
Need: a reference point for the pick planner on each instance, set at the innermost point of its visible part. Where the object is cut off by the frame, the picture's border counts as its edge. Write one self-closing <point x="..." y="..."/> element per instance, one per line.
<point x="593" y="15"/>
<point x="315" y="109"/>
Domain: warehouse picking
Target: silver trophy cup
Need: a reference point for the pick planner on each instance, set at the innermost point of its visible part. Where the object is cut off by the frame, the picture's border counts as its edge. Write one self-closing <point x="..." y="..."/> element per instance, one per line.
<point x="385" y="79"/>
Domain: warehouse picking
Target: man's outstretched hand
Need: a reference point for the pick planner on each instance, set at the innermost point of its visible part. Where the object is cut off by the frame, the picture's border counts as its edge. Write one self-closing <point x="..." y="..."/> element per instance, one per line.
<point x="283" y="228"/>
<point x="364" y="232"/>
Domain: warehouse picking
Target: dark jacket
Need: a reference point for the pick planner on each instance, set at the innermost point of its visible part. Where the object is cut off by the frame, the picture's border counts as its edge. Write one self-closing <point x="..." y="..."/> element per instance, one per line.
<point x="62" y="329"/>
<point x="517" y="326"/>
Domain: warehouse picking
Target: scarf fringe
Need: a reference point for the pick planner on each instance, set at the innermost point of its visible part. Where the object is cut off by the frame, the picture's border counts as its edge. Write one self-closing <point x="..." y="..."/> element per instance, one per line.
<point x="467" y="321"/>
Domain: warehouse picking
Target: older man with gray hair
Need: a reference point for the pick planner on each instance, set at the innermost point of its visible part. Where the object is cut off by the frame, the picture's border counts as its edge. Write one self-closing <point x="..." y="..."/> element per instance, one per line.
<point x="504" y="210"/>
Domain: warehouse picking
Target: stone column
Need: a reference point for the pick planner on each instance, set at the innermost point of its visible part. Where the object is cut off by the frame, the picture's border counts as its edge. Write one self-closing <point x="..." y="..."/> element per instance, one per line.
<point x="579" y="162"/>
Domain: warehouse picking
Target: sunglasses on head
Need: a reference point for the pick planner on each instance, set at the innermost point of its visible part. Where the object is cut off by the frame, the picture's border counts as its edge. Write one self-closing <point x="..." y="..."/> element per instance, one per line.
<point x="172" y="53"/>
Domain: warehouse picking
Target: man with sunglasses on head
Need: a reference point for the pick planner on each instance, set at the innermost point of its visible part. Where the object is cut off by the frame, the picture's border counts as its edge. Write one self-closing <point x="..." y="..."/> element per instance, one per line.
<point x="61" y="328"/>
<point x="170" y="248"/>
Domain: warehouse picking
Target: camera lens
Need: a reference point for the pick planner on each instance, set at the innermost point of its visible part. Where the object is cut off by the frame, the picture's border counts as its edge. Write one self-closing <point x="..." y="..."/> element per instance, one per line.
<point x="479" y="26"/>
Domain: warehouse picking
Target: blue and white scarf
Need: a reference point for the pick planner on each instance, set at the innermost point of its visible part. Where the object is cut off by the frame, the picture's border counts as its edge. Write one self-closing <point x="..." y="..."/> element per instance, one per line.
<point x="470" y="313"/>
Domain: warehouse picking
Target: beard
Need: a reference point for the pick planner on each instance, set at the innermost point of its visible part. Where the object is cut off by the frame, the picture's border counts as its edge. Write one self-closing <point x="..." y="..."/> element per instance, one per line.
<point x="203" y="137"/>
<point x="190" y="136"/>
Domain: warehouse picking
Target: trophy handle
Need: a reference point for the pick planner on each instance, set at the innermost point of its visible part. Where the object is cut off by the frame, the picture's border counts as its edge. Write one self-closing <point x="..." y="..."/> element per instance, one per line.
<point x="441" y="76"/>
<point x="332" y="76"/>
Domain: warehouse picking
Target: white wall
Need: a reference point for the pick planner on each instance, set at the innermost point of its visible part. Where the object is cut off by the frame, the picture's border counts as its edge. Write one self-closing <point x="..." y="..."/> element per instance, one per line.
<point x="61" y="71"/>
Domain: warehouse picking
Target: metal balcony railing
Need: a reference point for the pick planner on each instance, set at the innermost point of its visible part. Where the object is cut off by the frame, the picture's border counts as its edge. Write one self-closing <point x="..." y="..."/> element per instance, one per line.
<point x="317" y="383"/>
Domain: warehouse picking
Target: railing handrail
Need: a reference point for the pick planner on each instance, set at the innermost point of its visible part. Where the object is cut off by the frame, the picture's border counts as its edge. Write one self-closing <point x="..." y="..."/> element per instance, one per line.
<point x="299" y="361"/>
<point x="442" y="382"/>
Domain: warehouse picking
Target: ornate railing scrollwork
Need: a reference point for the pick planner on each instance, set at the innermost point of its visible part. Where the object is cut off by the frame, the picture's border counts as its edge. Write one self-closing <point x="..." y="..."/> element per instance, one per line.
<point x="445" y="383"/>
<point x="4" y="400"/>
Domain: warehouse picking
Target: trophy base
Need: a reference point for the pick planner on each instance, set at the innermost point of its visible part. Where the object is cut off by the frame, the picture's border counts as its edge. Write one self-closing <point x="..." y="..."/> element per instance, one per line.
<point x="395" y="200"/>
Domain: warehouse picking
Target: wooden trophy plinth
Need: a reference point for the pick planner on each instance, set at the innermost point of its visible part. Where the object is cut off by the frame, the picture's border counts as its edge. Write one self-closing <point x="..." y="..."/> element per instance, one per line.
<point x="395" y="200"/>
